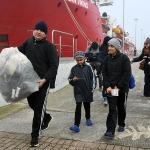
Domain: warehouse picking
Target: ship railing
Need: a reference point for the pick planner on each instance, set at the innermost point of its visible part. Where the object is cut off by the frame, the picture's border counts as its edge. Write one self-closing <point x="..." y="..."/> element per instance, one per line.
<point x="104" y="2"/>
<point x="60" y="41"/>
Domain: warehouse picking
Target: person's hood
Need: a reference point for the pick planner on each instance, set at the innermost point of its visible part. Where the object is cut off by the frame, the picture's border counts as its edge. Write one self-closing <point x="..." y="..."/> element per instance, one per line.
<point x="106" y="39"/>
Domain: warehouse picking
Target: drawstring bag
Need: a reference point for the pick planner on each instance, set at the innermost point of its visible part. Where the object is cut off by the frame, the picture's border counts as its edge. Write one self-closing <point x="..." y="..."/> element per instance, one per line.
<point x="132" y="82"/>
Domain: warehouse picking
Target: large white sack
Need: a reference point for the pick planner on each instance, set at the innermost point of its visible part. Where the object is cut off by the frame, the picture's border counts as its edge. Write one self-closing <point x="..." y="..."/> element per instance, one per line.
<point x="17" y="76"/>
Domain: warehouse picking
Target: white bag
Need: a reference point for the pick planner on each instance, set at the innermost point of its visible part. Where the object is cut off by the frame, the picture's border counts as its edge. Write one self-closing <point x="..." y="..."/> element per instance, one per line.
<point x="17" y="77"/>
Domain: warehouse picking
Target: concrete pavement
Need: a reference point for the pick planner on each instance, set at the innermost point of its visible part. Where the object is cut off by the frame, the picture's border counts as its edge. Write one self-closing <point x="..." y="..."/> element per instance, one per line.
<point x="16" y="120"/>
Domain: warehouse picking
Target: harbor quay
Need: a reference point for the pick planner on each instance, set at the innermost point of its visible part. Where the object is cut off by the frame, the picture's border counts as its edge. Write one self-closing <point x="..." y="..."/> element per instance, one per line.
<point x="16" y="122"/>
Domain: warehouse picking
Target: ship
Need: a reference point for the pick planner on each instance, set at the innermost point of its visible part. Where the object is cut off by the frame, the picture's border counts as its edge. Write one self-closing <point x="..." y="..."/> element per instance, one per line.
<point x="72" y="24"/>
<point x="128" y="46"/>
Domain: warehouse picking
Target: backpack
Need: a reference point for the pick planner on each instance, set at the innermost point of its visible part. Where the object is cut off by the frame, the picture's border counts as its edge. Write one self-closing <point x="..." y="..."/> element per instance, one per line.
<point x="132" y="82"/>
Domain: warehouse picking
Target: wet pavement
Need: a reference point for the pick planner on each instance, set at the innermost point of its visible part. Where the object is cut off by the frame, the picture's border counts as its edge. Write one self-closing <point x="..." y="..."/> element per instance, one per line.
<point x="16" y="121"/>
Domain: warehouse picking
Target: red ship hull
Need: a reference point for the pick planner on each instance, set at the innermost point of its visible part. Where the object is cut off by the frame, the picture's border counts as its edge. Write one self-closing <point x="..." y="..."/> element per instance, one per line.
<point x="72" y="24"/>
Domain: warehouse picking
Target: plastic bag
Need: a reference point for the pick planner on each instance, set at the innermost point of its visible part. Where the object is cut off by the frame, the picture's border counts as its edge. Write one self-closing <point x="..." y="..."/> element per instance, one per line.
<point x="17" y="77"/>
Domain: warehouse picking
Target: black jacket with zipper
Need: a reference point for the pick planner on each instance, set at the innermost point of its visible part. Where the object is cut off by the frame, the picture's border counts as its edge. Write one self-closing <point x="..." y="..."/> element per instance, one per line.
<point x="43" y="56"/>
<point x="84" y="87"/>
<point x="116" y="72"/>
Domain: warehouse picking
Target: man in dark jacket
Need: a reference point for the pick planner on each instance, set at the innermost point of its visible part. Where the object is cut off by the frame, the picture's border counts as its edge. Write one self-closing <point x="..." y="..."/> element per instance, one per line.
<point x="102" y="54"/>
<point x="91" y="53"/>
<point x="103" y="50"/>
<point x="44" y="58"/>
<point x="116" y="76"/>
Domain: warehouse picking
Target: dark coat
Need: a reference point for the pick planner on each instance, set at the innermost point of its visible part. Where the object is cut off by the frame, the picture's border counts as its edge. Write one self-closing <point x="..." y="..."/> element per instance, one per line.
<point x="103" y="50"/>
<point x="83" y="88"/>
<point x="43" y="56"/>
<point x="116" y="72"/>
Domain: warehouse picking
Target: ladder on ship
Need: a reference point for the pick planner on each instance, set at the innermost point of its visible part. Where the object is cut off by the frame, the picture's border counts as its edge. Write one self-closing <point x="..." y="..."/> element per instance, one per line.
<point x="67" y="48"/>
<point x="66" y="43"/>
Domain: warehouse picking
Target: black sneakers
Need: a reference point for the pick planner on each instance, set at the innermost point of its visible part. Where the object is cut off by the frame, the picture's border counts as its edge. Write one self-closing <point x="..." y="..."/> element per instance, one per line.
<point x="34" y="142"/>
<point x="121" y="129"/>
<point x="46" y="121"/>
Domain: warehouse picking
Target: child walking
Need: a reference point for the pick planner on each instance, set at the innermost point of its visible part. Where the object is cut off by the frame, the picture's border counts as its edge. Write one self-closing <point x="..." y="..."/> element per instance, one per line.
<point x="82" y="79"/>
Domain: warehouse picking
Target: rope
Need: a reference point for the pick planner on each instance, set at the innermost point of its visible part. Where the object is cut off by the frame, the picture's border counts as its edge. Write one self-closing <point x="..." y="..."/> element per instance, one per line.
<point x="76" y="23"/>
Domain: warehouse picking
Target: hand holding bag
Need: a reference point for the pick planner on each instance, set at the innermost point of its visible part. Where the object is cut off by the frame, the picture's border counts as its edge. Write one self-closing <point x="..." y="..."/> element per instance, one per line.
<point x="141" y="65"/>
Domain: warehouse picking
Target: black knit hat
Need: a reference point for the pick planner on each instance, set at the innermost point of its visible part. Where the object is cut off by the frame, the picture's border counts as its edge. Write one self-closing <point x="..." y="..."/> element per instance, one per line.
<point x="94" y="45"/>
<point x="41" y="25"/>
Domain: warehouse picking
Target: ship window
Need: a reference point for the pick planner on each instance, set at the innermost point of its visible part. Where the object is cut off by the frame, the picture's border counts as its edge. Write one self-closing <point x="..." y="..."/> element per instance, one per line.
<point x="76" y="9"/>
<point x="3" y="37"/>
<point x="59" y="4"/>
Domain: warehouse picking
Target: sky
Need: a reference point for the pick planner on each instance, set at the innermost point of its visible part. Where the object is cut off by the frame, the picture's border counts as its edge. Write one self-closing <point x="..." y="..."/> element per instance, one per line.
<point x="133" y="9"/>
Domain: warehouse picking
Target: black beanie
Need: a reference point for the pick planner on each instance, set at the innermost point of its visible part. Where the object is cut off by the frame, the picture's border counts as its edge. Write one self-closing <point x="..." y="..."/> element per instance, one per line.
<point x="41" y="25"/>
<point x="94" y="45"/>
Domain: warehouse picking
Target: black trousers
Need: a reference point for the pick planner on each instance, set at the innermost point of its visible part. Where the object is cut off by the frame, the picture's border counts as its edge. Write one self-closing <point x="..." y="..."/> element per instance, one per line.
<point x="37" y="101"/>
<point x="147" y="85"/>
<point x="117" y="111"/>
<point x="87" y="106"/>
